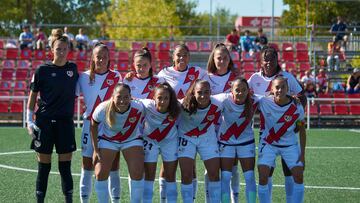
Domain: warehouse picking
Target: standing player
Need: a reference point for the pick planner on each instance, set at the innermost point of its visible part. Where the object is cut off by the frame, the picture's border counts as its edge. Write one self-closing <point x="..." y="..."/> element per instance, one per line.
<point x="161" y="137"/>
<point x="236" y="138"/>
<point x="180" y="76"/>
<point x="283" y="114"/>
<point x="54" y="125"/>
<point x="96" y="85"/>
<point x="115" y="127"/>
<point x="142" y="83"/>
<point x="197" y="121"/>
<point x="260" y="84"/>
<point x="221" y="72"/>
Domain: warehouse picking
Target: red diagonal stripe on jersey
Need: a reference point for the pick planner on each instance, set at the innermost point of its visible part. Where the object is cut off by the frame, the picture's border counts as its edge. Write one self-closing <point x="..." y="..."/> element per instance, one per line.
<point x="269" y="87"/>
<point x="160" y="135"/>
<point x="110" y="81"/>
<point x="235" y="129"/>
<point x="191" y="75"/>
<point x="275" y="136"/>
<point x="150" y="86"/>
<point x="232" y="76"/>
<point x="211" y="117"/>
<point x="180" y="94"/>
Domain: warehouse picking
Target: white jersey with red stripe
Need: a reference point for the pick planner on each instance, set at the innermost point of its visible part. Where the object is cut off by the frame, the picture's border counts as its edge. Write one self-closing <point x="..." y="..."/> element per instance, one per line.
<point x="180" y="81"/>
<point x="201" y="123"/>
<point x="158" y="126"/>
<point x="261" y="84"/>
<point x="234" y="127"/>
<point x="143" y="88"/>
<point x="127" y="124"/>
<point x="280" y="121"/>
<point x="98" y="91"/>
<point x="221" y="83"/>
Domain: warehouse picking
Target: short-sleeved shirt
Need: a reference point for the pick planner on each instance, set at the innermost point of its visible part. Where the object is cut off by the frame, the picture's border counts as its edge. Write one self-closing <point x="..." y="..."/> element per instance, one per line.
<point x="221" y="83"/>
<point x="233" y="38"/>
<point x="26" y="36"/>
<point x="339" y="28"/>
<point x="143" y="88"/>
<point x="57" y="86"/>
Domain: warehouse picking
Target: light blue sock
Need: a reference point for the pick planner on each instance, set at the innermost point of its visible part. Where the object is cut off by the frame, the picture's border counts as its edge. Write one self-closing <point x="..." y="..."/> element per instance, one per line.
<point x="137" y="189"/>
<point x="289" y="187"/>
<point x="263" y="192"/>
<point x="101" y="188"/>
<point x="270" y="183"/>
<point x="187" y="193"/>
<point x="148" y="191"/>
<point x="162" y="189"/>
<point x="298" y="193"/>
<point x="235" y="184"/>
<point x="215" y="191"/>
<point x="171" y="192"/>
<point x="85" y="185"/>
<point x="195" y="187"/>
<point x="250" y="190"/>
<point x="207" y="198"/>
<point x="114" y="186"/>
<point x="225" y="186"/>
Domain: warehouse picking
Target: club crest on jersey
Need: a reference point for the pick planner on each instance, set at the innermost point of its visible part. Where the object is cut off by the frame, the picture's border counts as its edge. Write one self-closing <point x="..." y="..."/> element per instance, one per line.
<point x="132" y="119"/>
<point x="151" y="87"/>
<point x="110" y="81"/>
<point x="70" y="73"/>
<point x="210" y="117"/>
<point x="191" y="77"/>
<point x="287" y="118"/>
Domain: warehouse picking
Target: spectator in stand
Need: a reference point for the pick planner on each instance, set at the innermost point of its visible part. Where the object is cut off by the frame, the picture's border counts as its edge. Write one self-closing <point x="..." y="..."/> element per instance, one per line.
<point x="322" y="81"/>
<point x="339" y="30"/>
<point x="334" y="52"/>
<point x="247" y="43"/>
<point x="26" y="38"/>
<point x="40" y="39"/>
<point x="70" y="37"/>
<point x="232" y="41"/>
<point x="260" y="40"/>
<point x="310" y="89"/>
<point x="307" y="77"/>
<point x="353" y="82"/>
<point x="82" y="40"/>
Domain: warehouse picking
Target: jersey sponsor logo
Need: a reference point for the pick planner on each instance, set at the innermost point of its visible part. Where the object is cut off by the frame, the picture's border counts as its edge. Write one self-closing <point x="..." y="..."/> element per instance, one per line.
<point x="70" y="73"/>
<point x="213" y="114"/>
<point x="288" y="119"/>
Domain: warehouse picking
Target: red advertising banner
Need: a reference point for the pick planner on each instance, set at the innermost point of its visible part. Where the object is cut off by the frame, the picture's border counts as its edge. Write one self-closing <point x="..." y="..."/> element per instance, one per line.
<point x="256" y="21"/>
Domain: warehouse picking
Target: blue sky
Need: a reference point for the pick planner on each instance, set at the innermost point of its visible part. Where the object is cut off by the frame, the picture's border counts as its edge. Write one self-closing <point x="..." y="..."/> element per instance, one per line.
<point x="244" y="7"/>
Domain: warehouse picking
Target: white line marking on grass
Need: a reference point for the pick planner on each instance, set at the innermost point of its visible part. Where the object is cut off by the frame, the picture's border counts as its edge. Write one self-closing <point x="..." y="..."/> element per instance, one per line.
<point x="325" y="147"/>
<point x="355" y="131"/>
<point x="202" y="182"/>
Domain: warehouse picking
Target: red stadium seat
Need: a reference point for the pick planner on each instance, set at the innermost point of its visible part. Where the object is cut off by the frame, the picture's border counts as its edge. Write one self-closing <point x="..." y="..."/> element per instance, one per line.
<point x="235" y="56"/>
<point x="205" y="46"/>
<point x="164" y="56"/>
<point x="248" y="66"/>
<point x="326" y="109"/>
<point x="136" y="46"/>
<point x="21" y="74"/>
<point x="23" y="64"/>
<point x="301" y="46"/>
<point x="354" y="96"/>
<point x="4" y="106"/>
<point x="151" y="46"/>
<point x="288" y="56"/>
<point x="7" y="74"/>
<point x="275" y="46"/>
<point x="354" y="109"/>
<point x="26" y="54"/>
<point x="5" y="86"/>
<point x="192" y="45"/>
<point x="19" y="93"/>
<point x="40" y="55"/>
<point x="302" y="56"/>
<point x="313" y="109"/>
<point x="1" y="44"/>
<point x="49" y="56"/>
<point x="123" y="66"/>
<point x="325" y="96"/>
<point x="3" y="93"/>
<point x="304" y="67"/>
<point x="112" y="55"/>
<point x="287" y="46"/>
<point x="11" y="53"/>
<point x="289" y="65"/>
<point x="340" y="95"/>
<point x="82" y="66"/>
<point x="237" y="65"/>
<point x="36" y="64"/>
<point x="245" y="56"/>
<point x="247" y="75"/>
<point x="123" y="56"/>
<point x="1" y="53"/>
<point x="110" y="45"/>
<point x="164" y="46"/>
<point x="16" y="107"/>
<point x="71" y="55"/>
<point x="10" y="64"/>
<point x="81" y="55"/>
<point x="20" y="86"/>
<point x="341" y="110"/>
<point x="164" y="64"/>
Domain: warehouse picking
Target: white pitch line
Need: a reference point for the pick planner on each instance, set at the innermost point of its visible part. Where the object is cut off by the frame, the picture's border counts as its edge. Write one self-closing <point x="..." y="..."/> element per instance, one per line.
<point x="202" y="182"/>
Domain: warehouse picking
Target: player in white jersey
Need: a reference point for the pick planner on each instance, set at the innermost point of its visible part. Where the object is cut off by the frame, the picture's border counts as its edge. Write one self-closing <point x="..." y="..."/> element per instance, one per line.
<point x="283" y="114"/>
<point x="197" y="121"/>
<point x="180" y="76"/>
<point x="115" y="127"/>
<point x="220" y="68"/>
<point x="236" y="138"/>
<point x="161" y="137"/>
<point x="96" y="85"/>
<point x="260" y="84"/>
<point x="142" y="82"/>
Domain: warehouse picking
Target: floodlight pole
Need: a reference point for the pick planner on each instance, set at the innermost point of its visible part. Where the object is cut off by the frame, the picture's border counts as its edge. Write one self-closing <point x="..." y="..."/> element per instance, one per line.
<point x="210" y="18"/>
<point x="272" y="21"/>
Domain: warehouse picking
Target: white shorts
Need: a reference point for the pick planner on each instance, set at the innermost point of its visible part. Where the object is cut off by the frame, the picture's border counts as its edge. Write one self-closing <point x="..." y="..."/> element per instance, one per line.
<point x="167" y="149"/>
<point x="87" y="149"/>
<point x="206" y="146"/>
<point x="267" y="155"/>
<point x="239" y="151"/>
<point x="102" y="143"/>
